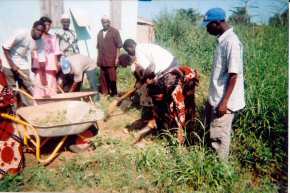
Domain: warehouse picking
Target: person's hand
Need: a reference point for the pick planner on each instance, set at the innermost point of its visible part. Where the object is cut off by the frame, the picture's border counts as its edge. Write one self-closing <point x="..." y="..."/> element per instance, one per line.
<point x="222" y="108"/>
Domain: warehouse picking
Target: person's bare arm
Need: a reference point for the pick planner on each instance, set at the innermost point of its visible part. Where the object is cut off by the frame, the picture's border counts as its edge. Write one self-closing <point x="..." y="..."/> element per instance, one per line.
<point x="8" y="57"/>
<point x="117" y="57"/>
<point x="222" y="107"/>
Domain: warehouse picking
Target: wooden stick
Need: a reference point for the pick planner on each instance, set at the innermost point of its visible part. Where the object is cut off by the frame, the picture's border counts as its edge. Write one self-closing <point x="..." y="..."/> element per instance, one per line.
<point x="117" y="102"/>
<point x="22" y="74"/>
<point x="59" y="88"/>
<point x="24" y="93"/>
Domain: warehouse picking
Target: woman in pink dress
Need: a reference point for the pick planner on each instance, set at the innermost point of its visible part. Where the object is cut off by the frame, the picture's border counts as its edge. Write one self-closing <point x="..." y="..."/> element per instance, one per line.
<point x="45" y="60"/>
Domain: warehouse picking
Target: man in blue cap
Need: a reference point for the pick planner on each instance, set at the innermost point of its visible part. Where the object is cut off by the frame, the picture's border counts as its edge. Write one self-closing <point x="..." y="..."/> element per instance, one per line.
<point x="77" y="65"/>
<point x="226" y="90"/>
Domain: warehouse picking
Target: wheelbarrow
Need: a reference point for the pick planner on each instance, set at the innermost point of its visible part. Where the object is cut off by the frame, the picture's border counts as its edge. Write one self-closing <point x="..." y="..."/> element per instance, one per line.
<point x="58" y="97"/>
<point x="64" y="118"/>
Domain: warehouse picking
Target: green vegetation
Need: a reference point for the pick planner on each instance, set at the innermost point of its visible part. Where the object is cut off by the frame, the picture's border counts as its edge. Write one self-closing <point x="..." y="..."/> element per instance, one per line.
<point x="260" y="136"/>
<point x="118" y="167"/>
<point x="258" y="160"/>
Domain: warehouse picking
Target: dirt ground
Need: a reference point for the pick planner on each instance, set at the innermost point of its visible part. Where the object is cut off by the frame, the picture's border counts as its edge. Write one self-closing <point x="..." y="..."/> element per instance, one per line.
<point x="118" y="126"/>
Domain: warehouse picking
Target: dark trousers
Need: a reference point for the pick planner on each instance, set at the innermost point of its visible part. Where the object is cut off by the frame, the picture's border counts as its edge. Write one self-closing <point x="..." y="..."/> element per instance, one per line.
<point x="108" y="77"/>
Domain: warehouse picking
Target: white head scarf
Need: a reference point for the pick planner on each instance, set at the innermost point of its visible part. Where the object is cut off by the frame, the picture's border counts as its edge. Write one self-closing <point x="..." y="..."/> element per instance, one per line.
<point x="65" y="16"/>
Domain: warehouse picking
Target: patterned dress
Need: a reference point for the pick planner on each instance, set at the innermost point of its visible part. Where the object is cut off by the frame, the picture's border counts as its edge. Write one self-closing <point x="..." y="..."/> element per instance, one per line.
<point x="68" y="42"/>
<point x="11" y="156"/>
<point x="173" y="98"/>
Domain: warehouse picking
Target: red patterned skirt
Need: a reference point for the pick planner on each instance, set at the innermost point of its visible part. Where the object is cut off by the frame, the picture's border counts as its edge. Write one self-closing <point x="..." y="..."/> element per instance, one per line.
<point x="174" y="98"/>
<point x="11" y="155"/>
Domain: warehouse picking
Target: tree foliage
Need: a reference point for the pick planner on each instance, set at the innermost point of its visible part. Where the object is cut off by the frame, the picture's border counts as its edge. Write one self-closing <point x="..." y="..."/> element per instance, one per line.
<point x="241" y="14"/>
<point x="193" y="15"/>
<point x="280" y="18"/>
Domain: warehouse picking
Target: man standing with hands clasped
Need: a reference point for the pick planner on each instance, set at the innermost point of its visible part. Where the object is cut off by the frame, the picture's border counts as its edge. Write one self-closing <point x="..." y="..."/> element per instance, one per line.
<point x="108" y="45"/>
<point x="226" y="91"/>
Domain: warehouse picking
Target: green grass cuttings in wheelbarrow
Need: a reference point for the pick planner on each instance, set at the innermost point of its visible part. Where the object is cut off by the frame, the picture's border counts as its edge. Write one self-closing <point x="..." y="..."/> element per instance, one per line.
<point x="61" y="118"/>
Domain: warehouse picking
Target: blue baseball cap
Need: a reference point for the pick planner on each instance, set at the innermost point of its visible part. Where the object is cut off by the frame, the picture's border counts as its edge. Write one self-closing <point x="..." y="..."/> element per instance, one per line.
<point x="214" y="14"/>
<point x="65" y="65"/>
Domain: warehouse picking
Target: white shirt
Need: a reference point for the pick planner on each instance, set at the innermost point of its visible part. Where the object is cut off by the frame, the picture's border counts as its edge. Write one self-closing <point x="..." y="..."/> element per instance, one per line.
<point x="228" y="59"/>
<point x="20" y="46"/>
<point x="104" y="33"/>
<point x="153" y="56"/>
<point x="80" y="64"/>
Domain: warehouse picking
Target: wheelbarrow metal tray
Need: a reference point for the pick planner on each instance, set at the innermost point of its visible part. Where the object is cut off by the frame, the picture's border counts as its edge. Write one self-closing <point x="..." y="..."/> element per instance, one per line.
<point x="61" y="118"/>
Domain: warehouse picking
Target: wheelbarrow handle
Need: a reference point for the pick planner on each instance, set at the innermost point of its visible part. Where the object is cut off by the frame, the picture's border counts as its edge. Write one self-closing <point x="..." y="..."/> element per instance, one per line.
<point x="15" y="119"/>
<point x="24" y="93"/>
<point x="37" y="138"/>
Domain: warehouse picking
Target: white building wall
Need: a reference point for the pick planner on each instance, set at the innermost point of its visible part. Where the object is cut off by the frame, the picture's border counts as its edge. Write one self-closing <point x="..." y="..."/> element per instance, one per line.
<point x="129" y="19"/>
<point x="17" y="15"/>
<point x="20" y="14"/>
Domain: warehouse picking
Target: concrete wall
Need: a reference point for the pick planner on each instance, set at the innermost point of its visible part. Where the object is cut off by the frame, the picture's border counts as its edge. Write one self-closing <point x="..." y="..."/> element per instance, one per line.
<point x="129" y="19"/>
<point x="116" y="13"/>
<point x="52" y="9"/>
<point x="145" y="33"/>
